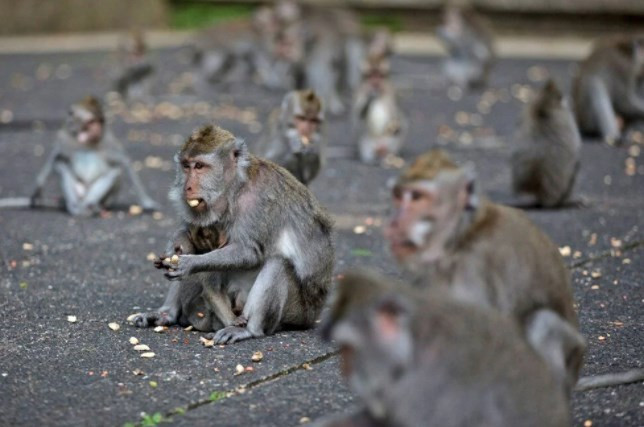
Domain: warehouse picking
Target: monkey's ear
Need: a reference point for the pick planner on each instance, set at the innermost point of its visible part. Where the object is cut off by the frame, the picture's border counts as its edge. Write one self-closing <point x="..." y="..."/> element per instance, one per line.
<point x="471" y="187"/>
<point x="241" y="157"/>
<point x="391" y="323"/>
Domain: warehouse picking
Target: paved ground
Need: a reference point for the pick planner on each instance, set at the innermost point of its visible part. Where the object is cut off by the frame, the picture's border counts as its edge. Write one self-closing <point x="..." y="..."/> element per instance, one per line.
<point x="54" y="372"/>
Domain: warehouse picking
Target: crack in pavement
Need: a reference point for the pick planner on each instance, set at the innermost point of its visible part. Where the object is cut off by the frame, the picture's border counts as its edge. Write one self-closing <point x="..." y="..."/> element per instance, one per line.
<point x="606" y="254"/>
<point x="243" y="388"/>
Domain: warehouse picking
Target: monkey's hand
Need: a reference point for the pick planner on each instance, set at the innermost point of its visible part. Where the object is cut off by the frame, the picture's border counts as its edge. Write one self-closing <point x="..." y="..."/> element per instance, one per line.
<point x="179" y="266"/>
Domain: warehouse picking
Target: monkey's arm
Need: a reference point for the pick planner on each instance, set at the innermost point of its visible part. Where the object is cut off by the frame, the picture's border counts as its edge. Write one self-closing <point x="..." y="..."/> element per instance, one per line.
<point x="44" y="173"/>
<point x="231" y="257"/>
<point x="121" y="158"/>
<point x="179" y="244"/>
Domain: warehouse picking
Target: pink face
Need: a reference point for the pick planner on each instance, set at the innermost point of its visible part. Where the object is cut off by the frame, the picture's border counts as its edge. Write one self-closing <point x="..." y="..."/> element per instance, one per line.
<point x="91" y="132"/>
<point x="306" y="127"/>
<point x="412" y="220"/>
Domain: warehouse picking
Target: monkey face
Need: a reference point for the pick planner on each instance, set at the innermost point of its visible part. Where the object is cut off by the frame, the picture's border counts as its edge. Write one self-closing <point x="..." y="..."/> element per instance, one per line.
<point x="306" y="128"/>
<point x="84" y="126"/>
<point x="376" y="348"/>
<point x="413" y="220"/>
<point x="426" y="216"/>
<point x="204" y="179"/>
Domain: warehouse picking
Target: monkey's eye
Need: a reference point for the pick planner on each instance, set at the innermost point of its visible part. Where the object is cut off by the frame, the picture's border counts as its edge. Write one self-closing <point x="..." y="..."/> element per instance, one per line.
<point x="185" y="164"/>
<point x="397" y="192"/>
<point x="416" y="195"/>
<point x="199" y="165"/>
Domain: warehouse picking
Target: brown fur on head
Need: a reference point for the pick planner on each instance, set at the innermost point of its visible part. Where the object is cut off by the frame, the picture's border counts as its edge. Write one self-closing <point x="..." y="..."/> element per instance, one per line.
<point x="311" y="105"/>
<point x="427" y="166"/>
<point x="205" y="140"/>
<point x="548" y="99"/>
<point x="93" y="105"/>
<point x="375" y="64"/>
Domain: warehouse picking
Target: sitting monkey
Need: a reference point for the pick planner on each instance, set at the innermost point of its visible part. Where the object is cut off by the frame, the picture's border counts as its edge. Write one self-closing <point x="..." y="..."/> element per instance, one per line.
<point x="89" y="161"/>
<point x="295" y="139"/>
<point x="273" y="244"/>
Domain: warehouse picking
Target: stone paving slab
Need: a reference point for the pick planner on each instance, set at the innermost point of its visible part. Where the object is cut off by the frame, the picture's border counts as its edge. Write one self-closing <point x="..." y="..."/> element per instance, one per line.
<point x="59" y="373"/>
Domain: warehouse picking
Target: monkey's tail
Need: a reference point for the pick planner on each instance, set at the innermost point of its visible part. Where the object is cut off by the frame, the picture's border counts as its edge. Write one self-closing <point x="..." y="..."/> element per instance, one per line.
<point x="607" y="380"/>
<point x="26" y="203"/>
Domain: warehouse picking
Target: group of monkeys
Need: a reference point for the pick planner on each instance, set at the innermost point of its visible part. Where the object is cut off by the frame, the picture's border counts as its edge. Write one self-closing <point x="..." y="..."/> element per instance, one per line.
<point x="487" y="334"/>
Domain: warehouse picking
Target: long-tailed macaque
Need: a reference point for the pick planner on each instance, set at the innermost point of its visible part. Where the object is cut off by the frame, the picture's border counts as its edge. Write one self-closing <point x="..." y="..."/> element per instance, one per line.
<point x="273" y="243"/>
<point x="548" y="145"/>
<point x="89" y="161"/>
<point x="295" y="137"/>
<point x="430" y="360"/>
<point x="134" y="78"/>
<point x="606" y="86"/>
<point x="486" y="254"/>
<point x="378" y="122"/>
<point x="470" y="47"/>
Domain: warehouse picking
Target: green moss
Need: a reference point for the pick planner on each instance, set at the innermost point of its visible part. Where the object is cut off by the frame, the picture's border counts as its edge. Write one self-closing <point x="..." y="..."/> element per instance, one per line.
<point x="190" y="16"/>
<point x="392" y="22"/>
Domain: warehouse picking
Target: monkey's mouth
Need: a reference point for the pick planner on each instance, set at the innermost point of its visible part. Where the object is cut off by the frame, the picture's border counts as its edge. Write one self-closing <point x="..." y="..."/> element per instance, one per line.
<point x="401" y="248"/>
<point x="195" y="203"/>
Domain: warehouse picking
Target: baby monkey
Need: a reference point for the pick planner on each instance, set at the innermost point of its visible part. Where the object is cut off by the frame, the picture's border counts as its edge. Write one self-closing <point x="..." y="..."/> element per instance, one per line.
<point x="546" y="159"/>
<point x="430" y="360"/>
<point x="607" y="87"/>
<point x="295" y="137"/>
<point x="89" y="161"/>
<point x="377" y="119"/>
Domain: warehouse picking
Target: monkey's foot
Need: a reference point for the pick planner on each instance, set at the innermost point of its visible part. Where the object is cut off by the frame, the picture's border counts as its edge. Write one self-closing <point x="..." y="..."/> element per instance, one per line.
<point x="154" y="318"/>
<point x="231" y="334"/>
<point x="240" y="321"/>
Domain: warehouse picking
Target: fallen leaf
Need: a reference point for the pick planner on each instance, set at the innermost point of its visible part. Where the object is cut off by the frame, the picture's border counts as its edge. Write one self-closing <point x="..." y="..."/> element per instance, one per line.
<point x="160" y="329"/>
<point x="114" y="326"/>
<point x="72" y="319"/>
<point x="305" y="420"/>
<point x="359" y="229"/>
<point x="188" y="328"/>
<point x="153" y="384"/>
<point x="257" y="356"/>
<point x="151" y="256"/>
<point x="141" y="347"/>
<point x="131" y="317"/>
<point x="27" y="247"/>
<point x="206" y="342"/>
<point x="134" y="340"/>
<point x="148" y="355"/>
<point x="138" y="372"/>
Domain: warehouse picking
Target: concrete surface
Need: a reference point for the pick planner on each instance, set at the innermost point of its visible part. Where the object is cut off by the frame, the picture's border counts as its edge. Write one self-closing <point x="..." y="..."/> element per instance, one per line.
<point x="53" y="372"/>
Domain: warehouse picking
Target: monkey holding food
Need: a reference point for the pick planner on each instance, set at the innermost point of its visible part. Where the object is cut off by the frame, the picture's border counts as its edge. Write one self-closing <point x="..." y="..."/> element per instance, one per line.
<point x="272" y="242"/>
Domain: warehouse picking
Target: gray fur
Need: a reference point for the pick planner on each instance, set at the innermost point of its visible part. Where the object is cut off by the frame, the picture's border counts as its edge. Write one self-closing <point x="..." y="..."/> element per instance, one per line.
<point x="546" y="158"/>
<point x="89" y="174"/>
<point x="282" y="143"/>
<point x="469" y="45"/>
<point x="606" y="86"/>
<point x="465" y="365"/>
<point x="278" y="248"/>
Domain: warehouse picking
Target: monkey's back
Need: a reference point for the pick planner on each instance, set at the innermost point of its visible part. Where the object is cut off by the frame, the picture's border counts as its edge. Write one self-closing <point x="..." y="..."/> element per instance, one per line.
<point x="474" y="368"/>
<point x="525" y="271"/>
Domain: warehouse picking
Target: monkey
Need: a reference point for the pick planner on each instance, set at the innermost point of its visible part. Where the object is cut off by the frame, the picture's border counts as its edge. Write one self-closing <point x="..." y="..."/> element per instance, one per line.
<point x="448" y="236"/>
<point x="606" y="86"/>
<point x="295" y="140"/>
<point x="378" y="123"/>
<point x="322" y="70"/>
<point x="274" y="231"/>
<point x="134" y="78"/>
<point x="89" y="161"/>
<point x="470" y="47"/>
<point x="428" y="359"/>
<point x="546" y="159"/>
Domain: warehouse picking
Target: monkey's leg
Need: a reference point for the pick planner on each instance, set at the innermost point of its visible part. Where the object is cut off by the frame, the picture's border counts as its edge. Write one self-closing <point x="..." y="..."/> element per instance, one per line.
<point x="100" y="189"/>
<point x="265" y="305"/>
<point x="168" y="313"/>
<point x="73" y="189"/>
<point x="558" y="343"/>
<point x="604" y="111"/>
